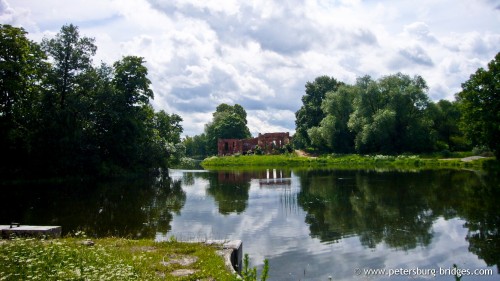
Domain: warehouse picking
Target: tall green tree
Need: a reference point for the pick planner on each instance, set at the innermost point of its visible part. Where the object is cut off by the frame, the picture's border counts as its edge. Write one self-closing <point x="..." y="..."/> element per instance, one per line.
<point x="229" y="122"/>
<point x="128" y="134"/>
<point x="479" y="103"/>
<point x="446" y="125"/>
<point x="168" y="129"/>
<point x="389" y="115"/>
<point x="130" y="147"/>
<point x="333" y="134"/>
<point x="67" y="103"/>
<point x="169" y="126"/>
<point x="61" y="116"/>
<point x="311" y="114"/>
<point x="71" y="56"/>
<point x="23" y="71"/>
<point x="196" y="146"/>
<point x="102" y="118"/>
<point x="132" y="82"/>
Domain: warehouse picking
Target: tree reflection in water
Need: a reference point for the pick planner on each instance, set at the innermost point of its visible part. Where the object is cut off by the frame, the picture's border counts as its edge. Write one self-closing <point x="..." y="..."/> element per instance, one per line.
<point x="395" y="208"/>
<point x="230" y="189"/>
<point x="399" y="208"/>
<point x="482" y="212"/>
<point x="126" y="208"/>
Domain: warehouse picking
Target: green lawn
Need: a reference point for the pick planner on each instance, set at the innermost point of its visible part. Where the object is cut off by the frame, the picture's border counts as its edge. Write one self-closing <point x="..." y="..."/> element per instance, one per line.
<point x="340" y="161"/>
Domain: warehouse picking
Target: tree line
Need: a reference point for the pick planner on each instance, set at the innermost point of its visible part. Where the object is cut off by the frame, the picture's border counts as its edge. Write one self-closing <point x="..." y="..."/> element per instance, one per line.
<point x="394" y="115"/>
<point x="391" y="115"/>
<point x="61" y="115"/>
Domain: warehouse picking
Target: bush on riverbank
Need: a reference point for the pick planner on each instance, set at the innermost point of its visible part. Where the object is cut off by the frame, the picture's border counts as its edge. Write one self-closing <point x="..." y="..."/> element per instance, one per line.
<point x="108" y="259"/>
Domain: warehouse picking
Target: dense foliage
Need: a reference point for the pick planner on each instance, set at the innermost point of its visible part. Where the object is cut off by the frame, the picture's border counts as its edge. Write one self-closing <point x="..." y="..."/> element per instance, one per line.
<point x="229" y="122"/>
<point x="60" y="115"/>
<point x="310" y="114"/>
<point x="392" y="115"/>
<point x="480" y="105"/>
<point x="196" y="146"/>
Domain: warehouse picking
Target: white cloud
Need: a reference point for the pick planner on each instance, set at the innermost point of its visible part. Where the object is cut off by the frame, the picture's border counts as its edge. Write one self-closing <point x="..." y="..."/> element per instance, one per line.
<point x="420" y="31"/>
<point x="17" y="17"/>
<point x="261" y="53"/>
<point x="270" y="121"/>
<point x="416" y="54"/>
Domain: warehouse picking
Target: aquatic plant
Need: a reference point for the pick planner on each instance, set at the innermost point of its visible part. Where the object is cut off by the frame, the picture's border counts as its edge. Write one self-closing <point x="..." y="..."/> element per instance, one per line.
<point x="250" y="274"/>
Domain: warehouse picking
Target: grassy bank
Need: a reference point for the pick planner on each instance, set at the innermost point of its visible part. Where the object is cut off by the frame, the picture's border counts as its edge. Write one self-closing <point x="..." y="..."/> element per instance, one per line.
<point x="341" y="161"/>
<point x="109" y="259"/>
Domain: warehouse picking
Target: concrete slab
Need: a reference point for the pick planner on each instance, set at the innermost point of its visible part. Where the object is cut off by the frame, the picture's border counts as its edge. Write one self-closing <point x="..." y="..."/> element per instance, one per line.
<point x="30" y="231"/>
<point x="232" y="251"/>
<point x="235" y="248"/>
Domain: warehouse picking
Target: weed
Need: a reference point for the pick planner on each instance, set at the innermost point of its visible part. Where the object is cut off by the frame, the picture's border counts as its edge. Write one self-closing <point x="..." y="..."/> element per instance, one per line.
<point x="250" y="274"/>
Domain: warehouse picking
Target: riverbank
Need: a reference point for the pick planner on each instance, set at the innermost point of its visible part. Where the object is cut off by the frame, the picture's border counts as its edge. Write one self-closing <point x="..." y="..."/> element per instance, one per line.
<point x="110" y="259"/>
<point x="343" y="161"/>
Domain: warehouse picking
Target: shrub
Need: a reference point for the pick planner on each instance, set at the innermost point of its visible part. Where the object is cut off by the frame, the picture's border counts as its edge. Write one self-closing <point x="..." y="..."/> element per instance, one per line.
<point x="482" y="151"/>
<point x="445" y="153"/>
<point x="258" y="150"/>
<point x="250" y="274"/>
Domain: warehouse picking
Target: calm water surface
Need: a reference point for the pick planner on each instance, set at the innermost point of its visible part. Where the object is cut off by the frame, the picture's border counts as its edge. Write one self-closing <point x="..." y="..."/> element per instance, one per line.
<point x="309" y="224"/>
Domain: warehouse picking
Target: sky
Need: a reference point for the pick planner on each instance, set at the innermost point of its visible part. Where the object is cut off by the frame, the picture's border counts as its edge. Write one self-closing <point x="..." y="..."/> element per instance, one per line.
<point x="261" y="53"/>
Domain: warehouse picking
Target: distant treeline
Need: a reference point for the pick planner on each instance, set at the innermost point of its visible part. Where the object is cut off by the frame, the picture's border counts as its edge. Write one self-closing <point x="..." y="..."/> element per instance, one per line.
<point x="393" y="115"/>
<point x="60" y="115"/>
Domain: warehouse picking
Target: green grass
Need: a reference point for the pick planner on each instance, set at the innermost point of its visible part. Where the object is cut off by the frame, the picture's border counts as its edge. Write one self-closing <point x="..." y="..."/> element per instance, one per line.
<point x="256" y="160"/>
<point x="108" y="259"/>
<point x="341" y="161"/>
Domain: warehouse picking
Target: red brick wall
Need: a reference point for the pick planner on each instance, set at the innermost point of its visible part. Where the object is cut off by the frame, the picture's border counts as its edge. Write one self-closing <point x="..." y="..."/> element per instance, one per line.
<point x="267" y="142"/>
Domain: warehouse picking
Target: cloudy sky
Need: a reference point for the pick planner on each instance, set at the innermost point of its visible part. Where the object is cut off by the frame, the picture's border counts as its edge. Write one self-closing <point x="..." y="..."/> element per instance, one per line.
<point x="261" y="53"/>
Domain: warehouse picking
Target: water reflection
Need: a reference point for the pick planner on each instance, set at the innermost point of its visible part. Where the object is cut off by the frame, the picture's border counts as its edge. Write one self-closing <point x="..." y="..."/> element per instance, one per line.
<point x="230" y="189"/>
<point x="386" y="207"/>
<point x="127" y="208"/>
<point x="310" y="224"/>
<point x="399" y="209"/>
<point x="482" y="212"/>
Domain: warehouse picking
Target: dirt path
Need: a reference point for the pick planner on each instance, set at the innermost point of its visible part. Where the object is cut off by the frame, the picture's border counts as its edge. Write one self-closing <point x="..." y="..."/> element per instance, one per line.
<point x="302" y="153"/>
<point x="471" y="158"/>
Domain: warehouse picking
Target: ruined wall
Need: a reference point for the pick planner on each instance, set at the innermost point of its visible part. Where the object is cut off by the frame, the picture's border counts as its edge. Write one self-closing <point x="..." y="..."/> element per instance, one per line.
<point x="268" y="142"/>
<point x="271" y="141"/>
<point x="249" y="144"/>
<point x="229" y="146"/>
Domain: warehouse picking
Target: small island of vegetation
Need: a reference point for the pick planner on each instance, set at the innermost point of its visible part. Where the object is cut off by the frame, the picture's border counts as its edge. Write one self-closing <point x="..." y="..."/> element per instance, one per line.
<point x="351" y="161"/>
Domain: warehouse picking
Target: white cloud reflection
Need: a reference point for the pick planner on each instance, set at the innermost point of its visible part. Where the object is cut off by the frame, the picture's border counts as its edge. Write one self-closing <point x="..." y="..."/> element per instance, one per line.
<point x="275" y="229"/>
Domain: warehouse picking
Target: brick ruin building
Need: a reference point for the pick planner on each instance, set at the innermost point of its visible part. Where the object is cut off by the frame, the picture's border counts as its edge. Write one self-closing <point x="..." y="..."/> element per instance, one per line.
<point x="268" y="142"/>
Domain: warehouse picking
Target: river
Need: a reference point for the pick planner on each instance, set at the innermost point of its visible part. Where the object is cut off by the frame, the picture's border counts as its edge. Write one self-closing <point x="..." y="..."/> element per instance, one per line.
<point x="311" y="224"/>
